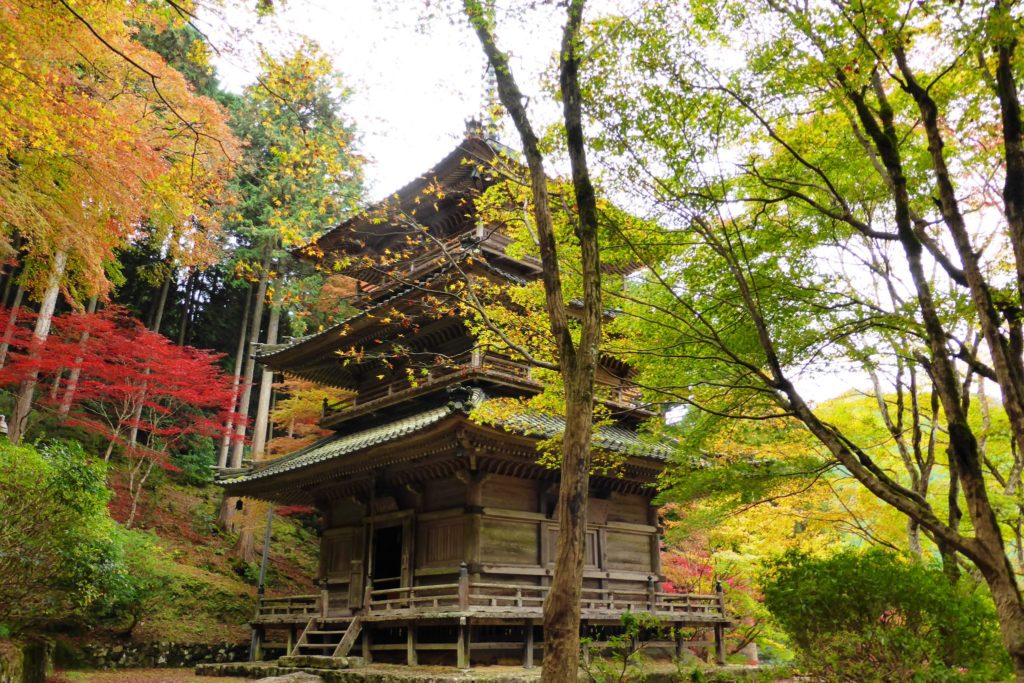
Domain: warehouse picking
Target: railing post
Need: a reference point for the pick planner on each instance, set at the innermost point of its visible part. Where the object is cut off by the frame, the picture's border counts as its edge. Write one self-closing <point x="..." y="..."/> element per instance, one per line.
<point x="324" y="597"/>
<point x="367" y="597"/>
<point x="463" y="586"/>
<point x="719" y="627"/>
<point x="652" y="596"/>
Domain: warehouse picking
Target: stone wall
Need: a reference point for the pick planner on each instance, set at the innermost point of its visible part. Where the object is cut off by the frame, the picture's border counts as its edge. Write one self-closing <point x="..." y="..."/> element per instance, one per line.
<point x="28" y="662"/>
<point x="148" y="655"/>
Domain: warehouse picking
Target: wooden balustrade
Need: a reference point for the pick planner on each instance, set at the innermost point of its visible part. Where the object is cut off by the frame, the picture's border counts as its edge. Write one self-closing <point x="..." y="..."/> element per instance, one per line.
<point x="291" y="607"/>
<point x="482" y="597"/>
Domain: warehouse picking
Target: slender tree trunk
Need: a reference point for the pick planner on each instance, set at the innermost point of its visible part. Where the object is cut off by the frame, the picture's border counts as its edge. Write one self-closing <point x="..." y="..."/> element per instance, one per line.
<point x="245" y="548"/>
<point x="161" y="303"/>
<point x="135" y="488"/>
<point x="186" y="307"/>
<point x="227" y="508"/>
<point x="76" y="371"/>
<point x="12" y="320"/>
<point x="225" y="442"/>
<point x="250" y="366"/>
<point x="23" y="404"/>
<point x="261" y="422"/>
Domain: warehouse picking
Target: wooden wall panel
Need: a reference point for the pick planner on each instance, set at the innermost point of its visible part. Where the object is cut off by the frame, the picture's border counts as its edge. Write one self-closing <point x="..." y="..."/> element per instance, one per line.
<point x="443" y="494"/>
<point x="339" y="548"/>
<point x="508" y="542"/>
<point x="624" y="550"/>
<point x="510" y="493"/>
<point x="628" y="508"/>
<point x="440" y="542"/>
<point x="590" y="559"/>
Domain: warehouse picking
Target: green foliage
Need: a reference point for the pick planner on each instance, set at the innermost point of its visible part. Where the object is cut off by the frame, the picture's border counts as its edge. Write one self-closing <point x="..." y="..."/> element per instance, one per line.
<point x="62" y="558"/>
<point x="194" y="461"/>
<point x="620" y="657"/>
<point x="875" y="616"/>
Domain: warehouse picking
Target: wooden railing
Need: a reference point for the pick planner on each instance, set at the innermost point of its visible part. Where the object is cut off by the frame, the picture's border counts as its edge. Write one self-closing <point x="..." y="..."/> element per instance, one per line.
<point x="269" y="609"/>
<point x="482" y="596"/>
<point x="469" y="360"/>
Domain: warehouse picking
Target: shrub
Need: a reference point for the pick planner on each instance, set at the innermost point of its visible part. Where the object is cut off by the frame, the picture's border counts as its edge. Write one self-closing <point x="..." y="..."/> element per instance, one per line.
<point x="876" y="616"/>
<point x="63" y="560"/>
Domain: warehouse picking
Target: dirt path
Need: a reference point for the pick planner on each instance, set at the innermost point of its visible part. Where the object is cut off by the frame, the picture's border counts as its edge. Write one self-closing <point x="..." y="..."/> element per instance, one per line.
<point x="140" y="676"/>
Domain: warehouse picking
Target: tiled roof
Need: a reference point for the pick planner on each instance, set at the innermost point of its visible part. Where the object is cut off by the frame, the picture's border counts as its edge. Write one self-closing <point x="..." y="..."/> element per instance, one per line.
<point x="605" y="437"/>
<point x="614" y="439"/>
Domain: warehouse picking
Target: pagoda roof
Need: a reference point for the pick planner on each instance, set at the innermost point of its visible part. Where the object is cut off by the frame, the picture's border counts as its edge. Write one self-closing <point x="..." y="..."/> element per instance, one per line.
<point x="458" y="173"/>
<point x="524" y="423"/>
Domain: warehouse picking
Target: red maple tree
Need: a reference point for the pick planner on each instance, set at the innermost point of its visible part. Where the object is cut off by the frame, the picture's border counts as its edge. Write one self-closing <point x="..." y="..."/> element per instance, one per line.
<point x="106" y="373"/>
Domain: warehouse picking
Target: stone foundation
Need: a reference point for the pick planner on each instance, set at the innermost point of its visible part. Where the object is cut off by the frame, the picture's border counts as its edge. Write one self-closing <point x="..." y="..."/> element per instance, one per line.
<point x="148" y="655"/>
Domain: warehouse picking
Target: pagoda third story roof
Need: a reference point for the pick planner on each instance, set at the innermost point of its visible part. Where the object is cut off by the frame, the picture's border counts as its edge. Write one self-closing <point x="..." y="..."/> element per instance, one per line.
<point x="530" y="424"/>
<point x="458" y="176"/>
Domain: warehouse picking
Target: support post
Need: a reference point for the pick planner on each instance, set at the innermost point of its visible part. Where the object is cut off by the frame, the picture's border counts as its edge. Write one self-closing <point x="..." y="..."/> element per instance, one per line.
<point x="256" y="646"/>
<point x="719" y="645"/>
<point x="462" y="646"/>
<point x="720" y="627"/>
<point x="652" y="594"/>
<point x="528" y="648"/>
<point x="367" y="657"/>
<point x="410" y="644"/>
<point x="463" y="586"/>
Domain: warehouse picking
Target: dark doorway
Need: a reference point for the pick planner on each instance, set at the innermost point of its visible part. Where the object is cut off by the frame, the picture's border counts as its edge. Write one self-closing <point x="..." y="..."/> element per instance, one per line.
<point x="387" y="558"/>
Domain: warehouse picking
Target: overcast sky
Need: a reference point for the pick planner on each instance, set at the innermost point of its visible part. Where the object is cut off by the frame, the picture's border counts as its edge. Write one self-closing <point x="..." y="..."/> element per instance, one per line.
<point x="414" y="82"/>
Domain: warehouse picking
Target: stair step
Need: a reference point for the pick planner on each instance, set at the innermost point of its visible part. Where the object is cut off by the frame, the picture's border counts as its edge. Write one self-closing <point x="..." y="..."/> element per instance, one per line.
<point x="320" y="646"/>
<point x="325" y="633"/>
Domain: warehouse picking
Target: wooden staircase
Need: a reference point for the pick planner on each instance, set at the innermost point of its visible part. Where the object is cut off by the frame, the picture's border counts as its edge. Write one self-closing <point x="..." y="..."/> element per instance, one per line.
<point x="333" y="637"/>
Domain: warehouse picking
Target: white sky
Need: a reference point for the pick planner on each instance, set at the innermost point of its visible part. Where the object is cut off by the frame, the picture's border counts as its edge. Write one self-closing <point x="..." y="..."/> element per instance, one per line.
<point x="414" y="83"/>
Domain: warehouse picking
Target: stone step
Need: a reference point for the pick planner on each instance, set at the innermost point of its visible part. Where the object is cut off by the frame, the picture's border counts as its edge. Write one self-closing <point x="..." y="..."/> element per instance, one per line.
<point x="320" y="662"/>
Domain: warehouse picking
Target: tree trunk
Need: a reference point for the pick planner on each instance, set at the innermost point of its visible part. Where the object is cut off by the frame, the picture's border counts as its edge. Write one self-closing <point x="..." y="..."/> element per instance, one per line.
<point x="76" y="371"/>
<point x="186" y="307"/>
<point x="12" y="320"/>
<point x="227" y="509"/>
<point x="250" y="366"/>
<point x="225" y="442"/>
<point x="578" y="364"/>
<point x="261" y="423"/>
<point x="23" y="405"/>
<point x="245" y="548"/>
<point x="161" y="303"/>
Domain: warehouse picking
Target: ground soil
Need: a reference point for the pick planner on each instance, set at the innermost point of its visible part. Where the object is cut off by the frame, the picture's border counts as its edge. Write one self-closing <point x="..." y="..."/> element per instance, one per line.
<point x="140" y="676"/>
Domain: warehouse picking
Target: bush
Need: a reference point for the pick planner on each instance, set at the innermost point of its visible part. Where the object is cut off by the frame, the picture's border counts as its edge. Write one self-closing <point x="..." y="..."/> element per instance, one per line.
<point x="875" y="616"/>
<point x="63" y="560"/>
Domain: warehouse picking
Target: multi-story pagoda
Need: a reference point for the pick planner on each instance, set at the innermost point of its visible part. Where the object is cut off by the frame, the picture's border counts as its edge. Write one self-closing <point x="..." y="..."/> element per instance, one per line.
<point x="438" y="531"/>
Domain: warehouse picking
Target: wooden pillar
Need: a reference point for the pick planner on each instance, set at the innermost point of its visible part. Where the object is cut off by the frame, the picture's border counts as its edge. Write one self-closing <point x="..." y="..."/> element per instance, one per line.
<point x="463" y="587"/>
<point x="291" y="639"/>
<point x="720" y="627"/>
<point x="410" y="644"/>
<point x="720" y="644"/>
<point x="679" y="641"/>
<point x="474" y="511"/>
<point x="652" y="519"/>
<point x="463" y="646"/>
<point x="256" y="654"/>
<point x="528" y="648"/>
<point x="367" y="656"/>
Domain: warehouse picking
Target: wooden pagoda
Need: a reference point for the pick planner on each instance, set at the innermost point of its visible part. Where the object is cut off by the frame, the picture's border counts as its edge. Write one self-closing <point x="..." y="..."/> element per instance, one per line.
<point x="438" y="531"/>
